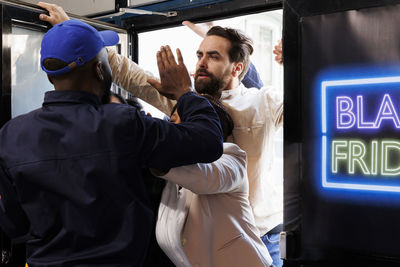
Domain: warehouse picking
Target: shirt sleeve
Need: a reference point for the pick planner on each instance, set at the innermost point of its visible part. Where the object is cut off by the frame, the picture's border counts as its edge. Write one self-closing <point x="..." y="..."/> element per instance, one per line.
<point x="227" y="174"/>
<point x="132" y="78"/>
<point x="164" y="145"/>
<point x="13" y="220"/>
<point x="274" y="105"/>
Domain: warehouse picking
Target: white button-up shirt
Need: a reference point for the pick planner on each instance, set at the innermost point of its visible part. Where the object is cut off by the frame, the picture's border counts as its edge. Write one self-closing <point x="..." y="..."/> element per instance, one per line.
<point x="257" y="115"/>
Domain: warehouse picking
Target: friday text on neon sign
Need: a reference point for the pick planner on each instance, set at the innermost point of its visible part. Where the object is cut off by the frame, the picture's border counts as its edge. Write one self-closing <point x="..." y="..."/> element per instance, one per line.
<point x="360" y="134"/>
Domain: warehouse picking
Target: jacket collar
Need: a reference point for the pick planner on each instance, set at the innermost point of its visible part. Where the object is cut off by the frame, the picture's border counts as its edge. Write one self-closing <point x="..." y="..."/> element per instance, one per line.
<point x="70" y="96"/>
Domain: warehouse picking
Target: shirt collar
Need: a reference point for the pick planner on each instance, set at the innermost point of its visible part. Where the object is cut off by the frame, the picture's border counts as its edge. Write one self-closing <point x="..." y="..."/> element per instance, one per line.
<point x="226" y="94"/>
<point x="71" y="96"/>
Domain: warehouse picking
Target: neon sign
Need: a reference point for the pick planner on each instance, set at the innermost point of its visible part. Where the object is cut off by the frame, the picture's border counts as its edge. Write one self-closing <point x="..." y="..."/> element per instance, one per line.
<point x="344" y="111"/>
<point x="360" y="134"/>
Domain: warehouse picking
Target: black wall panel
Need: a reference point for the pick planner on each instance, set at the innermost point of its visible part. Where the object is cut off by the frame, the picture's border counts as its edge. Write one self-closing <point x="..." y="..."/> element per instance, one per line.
<point x="335" y="49"/>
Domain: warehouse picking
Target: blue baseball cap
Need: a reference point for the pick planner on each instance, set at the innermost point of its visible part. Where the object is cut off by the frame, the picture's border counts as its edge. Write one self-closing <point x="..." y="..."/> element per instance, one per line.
<point x="75" y="43"/>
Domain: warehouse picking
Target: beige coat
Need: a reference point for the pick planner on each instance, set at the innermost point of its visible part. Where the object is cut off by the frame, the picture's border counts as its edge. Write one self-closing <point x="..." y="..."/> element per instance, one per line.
<point x="210" y="218"/>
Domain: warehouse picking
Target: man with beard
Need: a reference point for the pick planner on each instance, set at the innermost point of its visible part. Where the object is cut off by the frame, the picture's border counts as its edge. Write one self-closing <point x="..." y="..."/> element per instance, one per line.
<point x="252" y="77"/>
<point x="223" y="60"/>
<point x="70" y="180"/>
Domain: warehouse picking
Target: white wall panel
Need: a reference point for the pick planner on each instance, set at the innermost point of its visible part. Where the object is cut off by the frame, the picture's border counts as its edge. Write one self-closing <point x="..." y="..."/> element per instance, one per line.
<point x="135" y="3"/>
<point x="82" y="7"/>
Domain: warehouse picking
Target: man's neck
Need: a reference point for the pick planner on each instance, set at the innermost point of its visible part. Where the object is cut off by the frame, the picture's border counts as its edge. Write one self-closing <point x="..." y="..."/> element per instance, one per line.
<point x="77" y="84"/>
<point x="234" y="83"/>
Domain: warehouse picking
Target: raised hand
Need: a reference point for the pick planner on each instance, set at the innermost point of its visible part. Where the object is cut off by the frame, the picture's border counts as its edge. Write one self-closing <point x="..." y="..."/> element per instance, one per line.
<point x="174" y="77"/>
<point x="199" y="29"/>
<point x="56" y="13"/>
<point x="278" y="52"/>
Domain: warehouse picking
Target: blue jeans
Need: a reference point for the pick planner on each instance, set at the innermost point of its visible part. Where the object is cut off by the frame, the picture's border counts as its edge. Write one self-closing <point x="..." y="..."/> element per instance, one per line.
<point x="272" y="243"/>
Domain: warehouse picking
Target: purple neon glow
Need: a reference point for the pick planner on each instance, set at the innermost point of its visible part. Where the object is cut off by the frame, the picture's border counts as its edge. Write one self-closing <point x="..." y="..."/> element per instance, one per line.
<point x="346" y="119"/>
<point x="387" y="112"/>
<point x="350" y="113"/>
<point x="360" y="115"/>
<point x="344" y="107"/>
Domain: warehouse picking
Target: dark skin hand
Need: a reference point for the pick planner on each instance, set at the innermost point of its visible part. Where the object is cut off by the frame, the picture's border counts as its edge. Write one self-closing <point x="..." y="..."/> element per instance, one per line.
<point x="56" y="13"/>
<point x="174" y="77"/>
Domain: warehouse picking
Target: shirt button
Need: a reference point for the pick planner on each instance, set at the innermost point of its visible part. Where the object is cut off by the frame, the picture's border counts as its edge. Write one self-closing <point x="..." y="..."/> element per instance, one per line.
<point x="249" y="129"/>
<point x="183" y="241"/>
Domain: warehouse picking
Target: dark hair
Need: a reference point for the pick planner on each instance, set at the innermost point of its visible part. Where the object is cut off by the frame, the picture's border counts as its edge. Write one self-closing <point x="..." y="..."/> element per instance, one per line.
<point x="224" y="117"/>
<point x="241" y="46"/>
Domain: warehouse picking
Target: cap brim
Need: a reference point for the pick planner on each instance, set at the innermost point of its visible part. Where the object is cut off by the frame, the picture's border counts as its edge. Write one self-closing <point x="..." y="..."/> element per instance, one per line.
<point x="110" y="37"/>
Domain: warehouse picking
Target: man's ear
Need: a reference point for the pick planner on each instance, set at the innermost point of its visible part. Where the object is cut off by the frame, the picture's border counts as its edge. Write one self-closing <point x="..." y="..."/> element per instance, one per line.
<point x="237" y="69"/>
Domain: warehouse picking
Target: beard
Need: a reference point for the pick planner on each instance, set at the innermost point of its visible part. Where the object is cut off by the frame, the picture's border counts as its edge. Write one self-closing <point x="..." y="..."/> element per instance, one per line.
<point x="210" y="86"/>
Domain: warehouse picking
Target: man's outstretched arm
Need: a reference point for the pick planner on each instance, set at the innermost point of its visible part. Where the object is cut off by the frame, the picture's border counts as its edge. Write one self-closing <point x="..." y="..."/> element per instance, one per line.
<point x="198" y="138"/>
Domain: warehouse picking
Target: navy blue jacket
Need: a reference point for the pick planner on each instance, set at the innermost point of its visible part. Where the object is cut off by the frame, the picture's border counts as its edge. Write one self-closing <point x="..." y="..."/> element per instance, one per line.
<point x="70" y="175"/>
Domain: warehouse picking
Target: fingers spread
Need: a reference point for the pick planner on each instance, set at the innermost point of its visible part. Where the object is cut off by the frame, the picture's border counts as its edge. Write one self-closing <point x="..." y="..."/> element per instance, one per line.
<point x="170" y="56"/>
<point x="160" y="62"/>
<point x="163" y="57"/>
<point x="179" y="56"/>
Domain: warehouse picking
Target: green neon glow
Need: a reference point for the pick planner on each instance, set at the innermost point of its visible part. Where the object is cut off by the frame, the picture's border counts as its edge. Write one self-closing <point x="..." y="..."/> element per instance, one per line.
<point x="389" y="170"/>
<point x="336" y="155"/>
<point x="357" y="151"/>
<point x="374" y="157"/>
